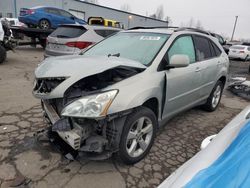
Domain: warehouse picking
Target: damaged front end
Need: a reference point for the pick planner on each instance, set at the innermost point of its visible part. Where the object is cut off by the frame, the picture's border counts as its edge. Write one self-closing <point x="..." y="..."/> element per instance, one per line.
<point x="80" y="118"/>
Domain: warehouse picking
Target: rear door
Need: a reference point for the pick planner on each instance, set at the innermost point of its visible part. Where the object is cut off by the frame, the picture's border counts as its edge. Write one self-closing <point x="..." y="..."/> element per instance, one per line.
<point x="182" y="85"/>
<point x="62" y="40"/>
<point x="208" y="56"/>
<point x="54" y="15"/>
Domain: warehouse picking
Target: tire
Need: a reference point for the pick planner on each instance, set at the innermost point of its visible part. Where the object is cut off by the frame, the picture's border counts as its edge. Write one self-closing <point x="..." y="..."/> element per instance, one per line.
<point x="3" y="54"/>
<point x="214" y="98"/>
<point x="44" y="24"/>
<point x="247" y="57"/>
<point x="138" y="138"/>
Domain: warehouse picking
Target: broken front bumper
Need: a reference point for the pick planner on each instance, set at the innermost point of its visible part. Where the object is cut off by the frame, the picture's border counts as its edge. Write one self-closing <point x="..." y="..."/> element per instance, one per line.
<point x="89" y="136"/>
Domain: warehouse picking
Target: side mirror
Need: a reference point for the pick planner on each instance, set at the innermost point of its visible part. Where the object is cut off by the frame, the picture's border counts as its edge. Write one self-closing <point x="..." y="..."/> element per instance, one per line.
<point x="72" y="17"/>
<point x="178" y="61"/>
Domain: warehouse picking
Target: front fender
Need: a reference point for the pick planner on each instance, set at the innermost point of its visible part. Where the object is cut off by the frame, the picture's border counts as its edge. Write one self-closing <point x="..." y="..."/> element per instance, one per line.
<point x="135" y="91"/>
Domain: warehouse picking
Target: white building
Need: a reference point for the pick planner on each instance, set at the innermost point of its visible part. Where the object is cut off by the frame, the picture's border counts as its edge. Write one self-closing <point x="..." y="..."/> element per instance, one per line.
<point x="83" y="10"/>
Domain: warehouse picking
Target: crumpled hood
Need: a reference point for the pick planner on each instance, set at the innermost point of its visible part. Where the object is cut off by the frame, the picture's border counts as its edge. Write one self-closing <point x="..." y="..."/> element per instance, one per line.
<point x="75" y="68"/>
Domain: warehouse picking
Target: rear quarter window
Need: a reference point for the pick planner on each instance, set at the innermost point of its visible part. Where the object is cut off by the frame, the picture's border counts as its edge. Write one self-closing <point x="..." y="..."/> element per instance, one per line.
<point x="215" y="49"/>
<point x="68" y="32"/>
<point x="105" y="33"/>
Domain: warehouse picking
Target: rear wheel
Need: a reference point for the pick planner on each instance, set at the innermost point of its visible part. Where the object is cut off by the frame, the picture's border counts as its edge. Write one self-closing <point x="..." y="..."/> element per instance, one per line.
<point x="44" y="24"/>
<point x="137" y="136"/>
<point x="3" y="54"/>
<point x="214" y="98"/>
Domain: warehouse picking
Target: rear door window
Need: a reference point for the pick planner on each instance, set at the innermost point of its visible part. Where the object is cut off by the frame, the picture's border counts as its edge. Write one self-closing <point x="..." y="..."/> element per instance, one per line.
<point x="202" y="48"/>
<point x="53" y="11"/>
<point x="68" y="32"/>
<point x="66" y="14"/>
<point x="184" y="46"/>
<point x="105" y="33"/>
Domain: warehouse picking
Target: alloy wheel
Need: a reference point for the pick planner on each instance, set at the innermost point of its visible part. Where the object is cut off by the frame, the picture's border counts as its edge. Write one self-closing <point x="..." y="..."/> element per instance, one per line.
<point x="139" y="137"/>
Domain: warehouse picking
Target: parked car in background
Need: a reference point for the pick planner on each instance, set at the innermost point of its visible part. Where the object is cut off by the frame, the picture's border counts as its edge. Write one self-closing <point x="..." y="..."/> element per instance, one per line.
<point x="223" y="162"/>
<point x="112" y="98"/>
<point x="222" y="41"/>
<point x="104" y="22"/>
<point x="47" y="17"/>
<point x="72" y="39"/>
<point x="239" y="52"/>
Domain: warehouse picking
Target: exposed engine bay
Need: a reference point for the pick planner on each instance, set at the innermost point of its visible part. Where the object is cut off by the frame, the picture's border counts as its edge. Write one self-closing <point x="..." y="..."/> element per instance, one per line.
<point x="91" y="135"/>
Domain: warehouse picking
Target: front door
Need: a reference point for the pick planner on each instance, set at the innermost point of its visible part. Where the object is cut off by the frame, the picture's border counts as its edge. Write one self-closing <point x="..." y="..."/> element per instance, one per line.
<point x="182" y="85"/>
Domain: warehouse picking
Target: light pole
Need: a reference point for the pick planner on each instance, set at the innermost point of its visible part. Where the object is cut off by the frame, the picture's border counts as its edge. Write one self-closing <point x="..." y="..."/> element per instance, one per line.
<point x="235" y="23"/>
<point x="129" y="18"/>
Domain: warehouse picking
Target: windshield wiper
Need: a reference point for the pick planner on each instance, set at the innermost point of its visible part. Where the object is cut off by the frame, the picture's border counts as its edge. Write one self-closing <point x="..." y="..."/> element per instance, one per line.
<point x="115" y="55"/>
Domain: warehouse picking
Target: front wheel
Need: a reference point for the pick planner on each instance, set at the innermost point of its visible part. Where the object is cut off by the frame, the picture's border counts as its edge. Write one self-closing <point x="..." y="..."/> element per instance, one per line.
<point x="214" y="97"/>
<point x="138" y="135"/>
<point x="3" y="54"/>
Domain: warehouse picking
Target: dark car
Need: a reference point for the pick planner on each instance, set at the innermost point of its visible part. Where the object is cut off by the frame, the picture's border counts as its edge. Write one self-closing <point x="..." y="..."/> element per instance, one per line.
<point x="47" y="17"/>
<point x="222" y="41"/>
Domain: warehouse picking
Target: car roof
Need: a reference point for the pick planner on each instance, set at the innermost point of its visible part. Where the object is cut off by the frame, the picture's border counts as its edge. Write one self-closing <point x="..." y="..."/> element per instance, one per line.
<point x="38" y="7"/>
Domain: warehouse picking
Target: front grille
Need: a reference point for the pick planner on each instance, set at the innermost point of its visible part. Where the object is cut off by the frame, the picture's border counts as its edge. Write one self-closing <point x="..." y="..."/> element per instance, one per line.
<point x="46" y="85"/>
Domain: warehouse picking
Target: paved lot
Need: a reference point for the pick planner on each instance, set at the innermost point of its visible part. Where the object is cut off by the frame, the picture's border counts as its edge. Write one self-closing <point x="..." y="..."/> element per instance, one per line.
<point x="29" y="163"/>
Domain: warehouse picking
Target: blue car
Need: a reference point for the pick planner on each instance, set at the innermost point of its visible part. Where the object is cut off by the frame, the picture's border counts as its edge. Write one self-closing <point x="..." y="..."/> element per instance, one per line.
<point x="47" y="17"/>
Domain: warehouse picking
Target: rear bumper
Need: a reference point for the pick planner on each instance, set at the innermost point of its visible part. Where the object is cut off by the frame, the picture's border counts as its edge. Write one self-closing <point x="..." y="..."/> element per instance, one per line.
<point x="236" y="56"/>
<point x="28" y="20"/>
<point x="48" y="53"/>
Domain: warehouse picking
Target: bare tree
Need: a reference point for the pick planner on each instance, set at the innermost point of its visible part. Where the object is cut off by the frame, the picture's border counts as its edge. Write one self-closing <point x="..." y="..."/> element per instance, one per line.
<point x="169" y="20"/>
<point x="191" y="23"/>
<point x="199" y="25"/>
<point x="160" y="12"/>
<point x="126" y="7"/>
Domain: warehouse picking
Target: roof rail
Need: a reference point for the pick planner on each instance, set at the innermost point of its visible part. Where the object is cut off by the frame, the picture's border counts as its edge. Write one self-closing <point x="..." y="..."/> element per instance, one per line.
<point x="193" y="29"/>
<point x="176" y="29"/>
<point x="156" y="27"/>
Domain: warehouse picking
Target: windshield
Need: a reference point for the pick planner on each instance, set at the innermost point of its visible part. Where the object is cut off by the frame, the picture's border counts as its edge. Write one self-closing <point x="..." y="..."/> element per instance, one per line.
<point x="141" y="47"/>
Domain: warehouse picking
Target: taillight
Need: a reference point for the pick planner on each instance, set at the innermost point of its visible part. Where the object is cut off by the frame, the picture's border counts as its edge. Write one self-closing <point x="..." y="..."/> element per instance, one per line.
<point x="242" y="52"/>
<point x="30" y="11"/>
<point x="79" y="44"/>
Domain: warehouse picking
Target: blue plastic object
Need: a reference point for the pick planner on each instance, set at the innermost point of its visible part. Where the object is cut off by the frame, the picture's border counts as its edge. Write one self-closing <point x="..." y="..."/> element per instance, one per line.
<point x="231" y="169"/>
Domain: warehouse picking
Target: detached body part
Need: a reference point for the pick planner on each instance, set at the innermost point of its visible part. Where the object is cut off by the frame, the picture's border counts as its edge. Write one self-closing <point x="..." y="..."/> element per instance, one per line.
<point x="113" y="97"/>
<point x="6" y="39"/>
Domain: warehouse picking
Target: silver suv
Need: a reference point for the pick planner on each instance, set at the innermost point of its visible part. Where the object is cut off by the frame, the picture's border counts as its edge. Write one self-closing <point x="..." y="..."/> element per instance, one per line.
<point x="72" y="38"/>
<point x="113" y="97"/>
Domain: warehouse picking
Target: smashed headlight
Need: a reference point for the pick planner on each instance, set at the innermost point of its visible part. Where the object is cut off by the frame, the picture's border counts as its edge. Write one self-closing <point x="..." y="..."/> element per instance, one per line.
<point x="92" y="106"/>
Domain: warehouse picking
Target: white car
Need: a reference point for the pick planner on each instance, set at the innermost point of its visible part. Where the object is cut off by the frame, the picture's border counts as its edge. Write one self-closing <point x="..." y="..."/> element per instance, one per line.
<point x="239" y="52"/>
<point x="223" y="161"/>
<point x="72" y="39"/>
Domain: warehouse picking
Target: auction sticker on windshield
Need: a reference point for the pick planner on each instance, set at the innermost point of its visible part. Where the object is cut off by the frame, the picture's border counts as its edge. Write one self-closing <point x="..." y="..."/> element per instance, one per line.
<point x="150" y="38"/>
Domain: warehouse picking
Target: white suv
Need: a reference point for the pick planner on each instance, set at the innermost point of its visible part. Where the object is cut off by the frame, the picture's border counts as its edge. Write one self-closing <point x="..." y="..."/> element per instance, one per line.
<point x="71" y="39"/>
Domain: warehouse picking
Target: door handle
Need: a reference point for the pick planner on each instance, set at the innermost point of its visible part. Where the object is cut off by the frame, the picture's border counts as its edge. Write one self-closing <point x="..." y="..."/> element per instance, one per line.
<point x="198" y="69"/>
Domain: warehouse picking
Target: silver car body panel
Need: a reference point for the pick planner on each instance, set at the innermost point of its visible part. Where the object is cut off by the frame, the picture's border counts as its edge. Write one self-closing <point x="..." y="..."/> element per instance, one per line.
<point x="207" y="156"/>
